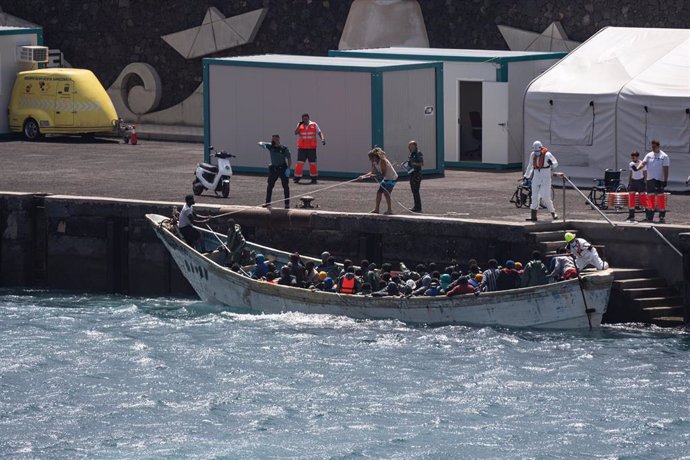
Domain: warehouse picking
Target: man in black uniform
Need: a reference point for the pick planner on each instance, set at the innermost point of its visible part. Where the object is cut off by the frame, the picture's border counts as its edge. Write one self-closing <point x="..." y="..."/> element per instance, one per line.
<point x="416" y="161"/>
<point x="279" y="168"/>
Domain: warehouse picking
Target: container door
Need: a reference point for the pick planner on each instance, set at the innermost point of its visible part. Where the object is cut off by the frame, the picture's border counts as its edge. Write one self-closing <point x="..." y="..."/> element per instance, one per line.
<point x="495" y="129"/>
<point x="64" y="104"/>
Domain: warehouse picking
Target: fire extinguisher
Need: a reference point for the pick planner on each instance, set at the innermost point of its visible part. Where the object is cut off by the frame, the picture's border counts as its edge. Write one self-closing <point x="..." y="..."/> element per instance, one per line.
<point x="133" y="136"/>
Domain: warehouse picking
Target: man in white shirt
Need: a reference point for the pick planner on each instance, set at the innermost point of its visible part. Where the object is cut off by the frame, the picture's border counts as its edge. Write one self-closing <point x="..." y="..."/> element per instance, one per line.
<point x="186" y="222"/>
<point x="657" y="164"/>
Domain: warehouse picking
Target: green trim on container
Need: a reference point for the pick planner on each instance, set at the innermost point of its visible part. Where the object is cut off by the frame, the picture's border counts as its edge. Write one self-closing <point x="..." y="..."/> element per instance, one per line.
<point x="480" y="165"/>
<point x="435" y="57"/>
<point x="440" y="120"/>
<point x="207" y="109"/>
<point x="25" y="31"/>
<point x="326" y="67"/>
<point x="377" y="110"/>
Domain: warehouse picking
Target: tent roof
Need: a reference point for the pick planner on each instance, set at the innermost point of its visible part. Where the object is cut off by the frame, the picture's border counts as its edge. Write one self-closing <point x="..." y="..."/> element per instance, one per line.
<point x="617" y="56"/>
<point x="668" y="77"/>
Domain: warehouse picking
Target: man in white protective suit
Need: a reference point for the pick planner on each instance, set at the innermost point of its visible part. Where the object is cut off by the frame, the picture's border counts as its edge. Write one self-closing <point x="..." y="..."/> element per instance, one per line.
<point x="539" y="168"/>
<point x="585" y="254"/>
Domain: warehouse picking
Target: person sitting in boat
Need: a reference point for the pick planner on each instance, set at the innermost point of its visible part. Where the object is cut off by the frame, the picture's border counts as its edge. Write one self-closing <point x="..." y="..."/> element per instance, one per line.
<point x="297" y="269"/>
<point x="563" y="266"/>
<point x="490" y="276"/>
<point x="372" y="277"/>
<point x="311" y="275"/>
<point x="366" y="289"/>
<point x="508" y="277"/>
<point x="463" y="287"/>
<point x="323" y="266"/>
<point x="423" y="285"/>
<point x="585" y="254"/>
<point x="535" y="273"/>
<point x="434" y="288"/>
<point x="328" y="285"/>
<point x="188" y="217"/>
<point x="260" y="267"/>
<point x="286" y="278"/>
<point x="476" y="281"/>
<point x="391" y="289"/>
<point x="444" y="282"/>
<point x="348" y="283"/>
<point x="271" y="277"/>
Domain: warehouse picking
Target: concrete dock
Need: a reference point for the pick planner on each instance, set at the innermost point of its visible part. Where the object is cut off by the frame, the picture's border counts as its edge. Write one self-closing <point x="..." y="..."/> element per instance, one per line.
<point x="163" y="171"/>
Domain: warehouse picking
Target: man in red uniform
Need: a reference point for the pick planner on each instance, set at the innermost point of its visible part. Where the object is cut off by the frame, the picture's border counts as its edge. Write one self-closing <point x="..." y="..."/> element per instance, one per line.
<point x="307" y="131"/>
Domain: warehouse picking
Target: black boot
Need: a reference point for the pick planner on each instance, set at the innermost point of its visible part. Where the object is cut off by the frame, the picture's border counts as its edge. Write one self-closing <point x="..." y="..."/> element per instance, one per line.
<point x="631" y="215"/>
<point x="554" y="215"/>
<point x="533" y="217"/>
<point x="649" y="215"/>
<point x="313" y="180"/>
<point x="662" y="217"/>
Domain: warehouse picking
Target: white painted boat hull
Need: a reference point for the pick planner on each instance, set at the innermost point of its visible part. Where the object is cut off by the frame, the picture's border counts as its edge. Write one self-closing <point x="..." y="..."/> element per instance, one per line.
<point x="554" y="306"/>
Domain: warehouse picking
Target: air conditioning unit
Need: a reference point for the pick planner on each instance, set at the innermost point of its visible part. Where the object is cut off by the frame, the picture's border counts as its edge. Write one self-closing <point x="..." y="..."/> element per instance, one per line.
<point x="33" y="54"/>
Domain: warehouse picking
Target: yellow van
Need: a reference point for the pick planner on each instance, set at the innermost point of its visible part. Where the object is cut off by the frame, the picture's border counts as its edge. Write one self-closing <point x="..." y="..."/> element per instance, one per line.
<point x="60" y="101"/>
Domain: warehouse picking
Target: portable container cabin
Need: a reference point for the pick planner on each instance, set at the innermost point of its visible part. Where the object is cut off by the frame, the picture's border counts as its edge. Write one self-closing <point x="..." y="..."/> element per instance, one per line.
<point x="358" y="104"/>
<point x="483" y="92"/>
<point x="20" y="49"/>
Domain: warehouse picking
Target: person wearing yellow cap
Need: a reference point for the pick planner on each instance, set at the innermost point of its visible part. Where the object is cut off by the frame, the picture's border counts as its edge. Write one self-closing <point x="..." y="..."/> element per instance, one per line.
<point x="585" y="254"/>
<point x="539" y="168"/>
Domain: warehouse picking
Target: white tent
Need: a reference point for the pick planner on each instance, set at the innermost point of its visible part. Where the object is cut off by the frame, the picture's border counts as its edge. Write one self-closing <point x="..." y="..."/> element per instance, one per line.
<point x="613" y="94"/>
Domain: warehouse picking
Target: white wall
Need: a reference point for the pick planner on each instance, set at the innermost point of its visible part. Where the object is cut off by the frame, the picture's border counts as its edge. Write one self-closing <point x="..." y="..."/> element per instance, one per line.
<point x="9" y="68"/>
<point x="405" y="96"/>
<point x="249" y="104"/>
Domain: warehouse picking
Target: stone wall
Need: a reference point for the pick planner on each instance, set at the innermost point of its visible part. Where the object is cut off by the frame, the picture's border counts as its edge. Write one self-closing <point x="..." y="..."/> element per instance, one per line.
<point x="106" y="35"/>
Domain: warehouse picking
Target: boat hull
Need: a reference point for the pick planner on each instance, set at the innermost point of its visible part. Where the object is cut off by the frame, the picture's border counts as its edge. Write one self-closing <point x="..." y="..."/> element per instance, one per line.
<point x="556" y="306"/>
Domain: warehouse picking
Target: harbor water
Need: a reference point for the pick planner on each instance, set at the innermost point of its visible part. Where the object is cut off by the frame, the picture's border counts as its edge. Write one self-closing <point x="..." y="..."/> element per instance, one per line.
<point x="86" y="376"/>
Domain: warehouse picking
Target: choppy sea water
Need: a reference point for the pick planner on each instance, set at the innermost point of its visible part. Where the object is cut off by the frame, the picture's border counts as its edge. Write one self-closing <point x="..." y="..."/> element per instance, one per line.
<point x="120" y="377"/>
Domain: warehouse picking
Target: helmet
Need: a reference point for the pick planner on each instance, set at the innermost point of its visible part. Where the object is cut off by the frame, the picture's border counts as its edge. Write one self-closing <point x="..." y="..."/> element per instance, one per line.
<point x="569" y="237"/>
<point x="260" y="258"/>
<point x="323" y="275"/>
<point x="536" y="145"/>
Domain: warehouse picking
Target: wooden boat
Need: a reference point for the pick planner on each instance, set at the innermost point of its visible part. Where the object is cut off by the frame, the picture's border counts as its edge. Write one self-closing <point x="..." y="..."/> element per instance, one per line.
<point x="558" y="305"/>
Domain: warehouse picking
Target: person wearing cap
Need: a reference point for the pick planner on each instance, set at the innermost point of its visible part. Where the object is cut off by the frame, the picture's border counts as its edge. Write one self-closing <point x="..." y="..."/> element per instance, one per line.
<point x="185" y="223"/>
<point x="535" y="272"/>
<point x="657" y="164"/>
<point x="508" y="277"/>
<point x="307" y="130"/>
<point x="416" y="162"/>
<point x="539" y="168"/>
<point x="385" y="175"/>
<point x="637" y="177"/>
<point x="585" y="254"/>
<point x="278" y="168"/>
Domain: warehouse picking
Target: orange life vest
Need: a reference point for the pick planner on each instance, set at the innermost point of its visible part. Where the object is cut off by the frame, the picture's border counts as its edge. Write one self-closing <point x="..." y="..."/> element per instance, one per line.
<point x="347" y="286"/>
<point x="538" y="162"/>
<point x="307" y="136"/>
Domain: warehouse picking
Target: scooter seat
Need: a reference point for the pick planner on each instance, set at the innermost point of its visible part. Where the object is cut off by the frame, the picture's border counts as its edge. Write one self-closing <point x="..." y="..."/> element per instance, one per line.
<point x="208" y="167"/>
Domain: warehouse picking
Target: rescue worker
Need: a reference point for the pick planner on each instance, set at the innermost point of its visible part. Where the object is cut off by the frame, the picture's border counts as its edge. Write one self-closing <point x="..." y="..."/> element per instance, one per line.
<point x="307" y="130"/>
<point x="279" y="168"/>
<point x="636" y="183"/>
<point x="657" y="164"/>
<point x="585" y="254"/>
<point x="539" y="168"/>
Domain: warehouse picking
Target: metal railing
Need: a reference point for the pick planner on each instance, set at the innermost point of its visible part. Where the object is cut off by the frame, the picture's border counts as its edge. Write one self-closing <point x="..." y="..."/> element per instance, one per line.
<point x="594" y="206"/>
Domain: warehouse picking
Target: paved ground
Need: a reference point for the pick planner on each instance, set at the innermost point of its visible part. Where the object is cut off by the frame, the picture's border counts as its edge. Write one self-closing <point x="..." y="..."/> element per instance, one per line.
<point x="163" y="171"/>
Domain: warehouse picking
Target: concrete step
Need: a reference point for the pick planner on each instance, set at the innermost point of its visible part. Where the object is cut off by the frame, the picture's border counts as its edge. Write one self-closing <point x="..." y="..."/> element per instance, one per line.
<point x="638" y="283"/>
<point x="648" y="302"/>
<point x="635" y="293"/>
<point x="663" y="311"/>
<point x="550" y="246"/>
<point x="629" y="273"/>
<point x="668" y="321"/>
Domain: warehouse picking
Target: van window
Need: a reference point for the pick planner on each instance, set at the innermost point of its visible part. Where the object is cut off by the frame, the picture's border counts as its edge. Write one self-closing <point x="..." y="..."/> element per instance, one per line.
<point x="66" y="89"/>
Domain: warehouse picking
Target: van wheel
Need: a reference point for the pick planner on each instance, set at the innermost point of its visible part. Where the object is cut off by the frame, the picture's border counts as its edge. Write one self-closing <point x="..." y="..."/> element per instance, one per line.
<point x="31" y="131"/>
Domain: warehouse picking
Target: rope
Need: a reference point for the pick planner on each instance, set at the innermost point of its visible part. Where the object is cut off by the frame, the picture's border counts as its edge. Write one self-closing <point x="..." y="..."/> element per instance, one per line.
<point x="295" y="196"/>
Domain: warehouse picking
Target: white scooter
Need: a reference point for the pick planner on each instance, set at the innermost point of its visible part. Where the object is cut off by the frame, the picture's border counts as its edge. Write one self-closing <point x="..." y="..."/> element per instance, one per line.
<point x="214" y="177"/>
